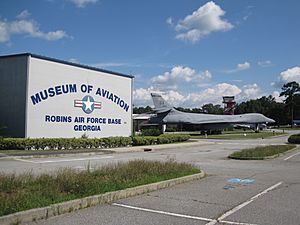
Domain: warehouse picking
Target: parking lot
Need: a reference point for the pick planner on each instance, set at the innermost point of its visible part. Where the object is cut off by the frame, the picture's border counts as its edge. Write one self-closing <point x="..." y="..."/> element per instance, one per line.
<point x="234" y="192"/>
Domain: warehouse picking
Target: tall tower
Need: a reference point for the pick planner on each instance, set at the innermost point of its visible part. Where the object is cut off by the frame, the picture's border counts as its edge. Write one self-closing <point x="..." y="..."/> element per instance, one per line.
<point x="229" y="105"/>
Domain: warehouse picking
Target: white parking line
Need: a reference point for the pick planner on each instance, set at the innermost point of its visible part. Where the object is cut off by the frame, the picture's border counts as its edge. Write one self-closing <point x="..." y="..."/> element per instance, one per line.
<point x="163" y="212"/>
<point x="235" y="209"/>
<point x="65" y="160"/>
<point x="235" y="223"/>
<point x="291" y="156"/>
<point x="176" y="214"/>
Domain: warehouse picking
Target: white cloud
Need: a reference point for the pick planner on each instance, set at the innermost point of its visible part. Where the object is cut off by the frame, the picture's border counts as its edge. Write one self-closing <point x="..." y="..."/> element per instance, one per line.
<point x="246" y="17"/>
<point x="289" y="75"/>
<point x="114" y="64"/>
<point x="142" y="96"/>
<point x="276" y="94"/>
<point x="4" y="33"/>
<point x="169" y="21"/>
<point x="52" y="35"/>
<point x="82" y="3"/>
<point x="240" y="67"/>
<point x="27" y="27"/>
<point x="243" y="66"/>
<point x="197" y="99"/>
<point x="266" y="63"/>
<point x="202" y="22"/>
<point x="292" y="74"/>
<point x="23" y="15"/>
<point x="211" y="95"/>
<point x="180" y="75"/>
<point x="250" y="91"/>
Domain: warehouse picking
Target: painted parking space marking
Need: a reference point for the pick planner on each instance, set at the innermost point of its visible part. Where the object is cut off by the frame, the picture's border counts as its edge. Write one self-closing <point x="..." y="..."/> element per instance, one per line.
<point x="177" y="214"/>
<point x="64" y="160"/>
<point x="163" y="212"/>
<point x="291" y="156"/>
<point x="242" y="205"/>
<point x="210" y="221"/>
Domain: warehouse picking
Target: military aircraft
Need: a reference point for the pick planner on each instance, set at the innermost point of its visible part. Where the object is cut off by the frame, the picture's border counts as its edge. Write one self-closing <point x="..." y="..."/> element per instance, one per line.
<point x="167" y="114"/>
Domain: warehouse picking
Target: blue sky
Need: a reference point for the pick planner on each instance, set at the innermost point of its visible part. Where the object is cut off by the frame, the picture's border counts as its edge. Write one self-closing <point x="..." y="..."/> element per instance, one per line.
<point x="191" y="51"/>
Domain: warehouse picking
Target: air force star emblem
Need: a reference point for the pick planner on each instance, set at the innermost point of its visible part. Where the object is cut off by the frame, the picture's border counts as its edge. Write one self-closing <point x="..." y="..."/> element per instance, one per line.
<point x="87" y="104"/>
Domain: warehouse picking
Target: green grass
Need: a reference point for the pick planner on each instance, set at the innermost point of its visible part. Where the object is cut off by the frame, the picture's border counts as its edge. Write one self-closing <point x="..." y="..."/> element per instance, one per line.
<point x="26" y="191"/>
<point x="260" y="153"/>
<point x="236" y="135"/>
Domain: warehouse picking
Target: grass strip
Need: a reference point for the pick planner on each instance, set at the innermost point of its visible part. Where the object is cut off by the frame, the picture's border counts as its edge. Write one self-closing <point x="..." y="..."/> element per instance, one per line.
<point x="27" y="191"/>
<point x="241" y="135"/>
<point x="260" y="153"/>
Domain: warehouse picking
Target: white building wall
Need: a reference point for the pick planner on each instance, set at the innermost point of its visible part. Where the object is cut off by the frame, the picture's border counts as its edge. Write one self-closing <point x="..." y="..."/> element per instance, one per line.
<point x="73" y="113"/>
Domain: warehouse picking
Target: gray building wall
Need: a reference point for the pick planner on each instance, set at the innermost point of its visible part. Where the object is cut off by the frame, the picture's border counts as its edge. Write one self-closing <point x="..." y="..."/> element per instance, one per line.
<point x="13" y="79"/>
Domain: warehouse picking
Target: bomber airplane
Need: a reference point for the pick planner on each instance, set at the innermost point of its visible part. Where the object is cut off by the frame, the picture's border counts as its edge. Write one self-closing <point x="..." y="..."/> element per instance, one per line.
<point x="167" y="114"/>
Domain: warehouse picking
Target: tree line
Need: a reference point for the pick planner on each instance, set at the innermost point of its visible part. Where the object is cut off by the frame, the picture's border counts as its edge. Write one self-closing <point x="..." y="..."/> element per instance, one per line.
<point x="282" y="112"/>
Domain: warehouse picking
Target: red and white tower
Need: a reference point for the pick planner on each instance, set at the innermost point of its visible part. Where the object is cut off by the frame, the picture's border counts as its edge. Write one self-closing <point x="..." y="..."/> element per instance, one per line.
<point x="229" y="105"/>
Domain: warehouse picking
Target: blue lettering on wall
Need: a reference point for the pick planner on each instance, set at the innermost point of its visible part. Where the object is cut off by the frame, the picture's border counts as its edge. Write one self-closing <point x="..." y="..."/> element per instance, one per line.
<point x="35" y="98"/>
<point x="58" y="119"/>
<point x="84" y="88"/>
<point x="87" y="128"/>
<point x="51" y="92"/>
<point x="112" y="97"/>
<point x="83" y="123"/>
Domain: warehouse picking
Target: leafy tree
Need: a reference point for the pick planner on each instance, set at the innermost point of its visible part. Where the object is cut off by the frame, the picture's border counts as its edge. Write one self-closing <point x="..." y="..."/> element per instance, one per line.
<point x="261" y="105"/>
<point x="291" y="93"/>
<point x="207" y="108"/>
<point x="278" y="112"/>
<point x="140" y="110"/>
<point x="265" y="105"/>
<point x="212" y="109"/>
<point x="189" y="110"/>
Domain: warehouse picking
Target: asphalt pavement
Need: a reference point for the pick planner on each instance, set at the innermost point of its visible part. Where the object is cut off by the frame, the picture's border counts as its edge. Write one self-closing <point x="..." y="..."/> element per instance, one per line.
<point x="234" y="192"/>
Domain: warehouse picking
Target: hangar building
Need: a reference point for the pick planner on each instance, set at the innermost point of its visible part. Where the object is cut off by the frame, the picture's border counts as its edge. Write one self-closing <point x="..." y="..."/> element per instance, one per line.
<point x="46" y="97"/>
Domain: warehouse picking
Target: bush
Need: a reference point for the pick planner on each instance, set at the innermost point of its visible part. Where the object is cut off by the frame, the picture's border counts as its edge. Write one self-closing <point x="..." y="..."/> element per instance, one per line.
<point x="151" y="132"/>
<point x="171" y="129"/>
<point x="86" y="143"/>
<point x="161" y="139"/>
<point x="294" y="139"/>
<point x="62" y="143"/>
<point x="140" y="140"/>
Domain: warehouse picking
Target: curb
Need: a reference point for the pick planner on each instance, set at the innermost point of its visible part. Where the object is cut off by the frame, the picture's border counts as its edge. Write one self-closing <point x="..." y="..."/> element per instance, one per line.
<point x="54" y="154"/>
<point x="30" y="156"/>
<point x="33" y="215"/>
<point x="109" y="150"/>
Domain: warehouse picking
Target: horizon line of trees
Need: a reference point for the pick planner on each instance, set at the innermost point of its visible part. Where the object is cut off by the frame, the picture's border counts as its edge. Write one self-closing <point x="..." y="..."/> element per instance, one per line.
<point x="282" y="112"/>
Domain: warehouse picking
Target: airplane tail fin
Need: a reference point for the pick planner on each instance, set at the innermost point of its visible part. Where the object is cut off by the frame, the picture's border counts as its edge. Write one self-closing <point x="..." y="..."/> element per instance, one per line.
<point x="160" y="104"/>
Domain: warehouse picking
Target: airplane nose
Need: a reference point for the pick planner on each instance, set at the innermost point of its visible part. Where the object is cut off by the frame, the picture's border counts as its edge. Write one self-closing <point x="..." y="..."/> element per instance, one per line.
<point x="271" y="120"/>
